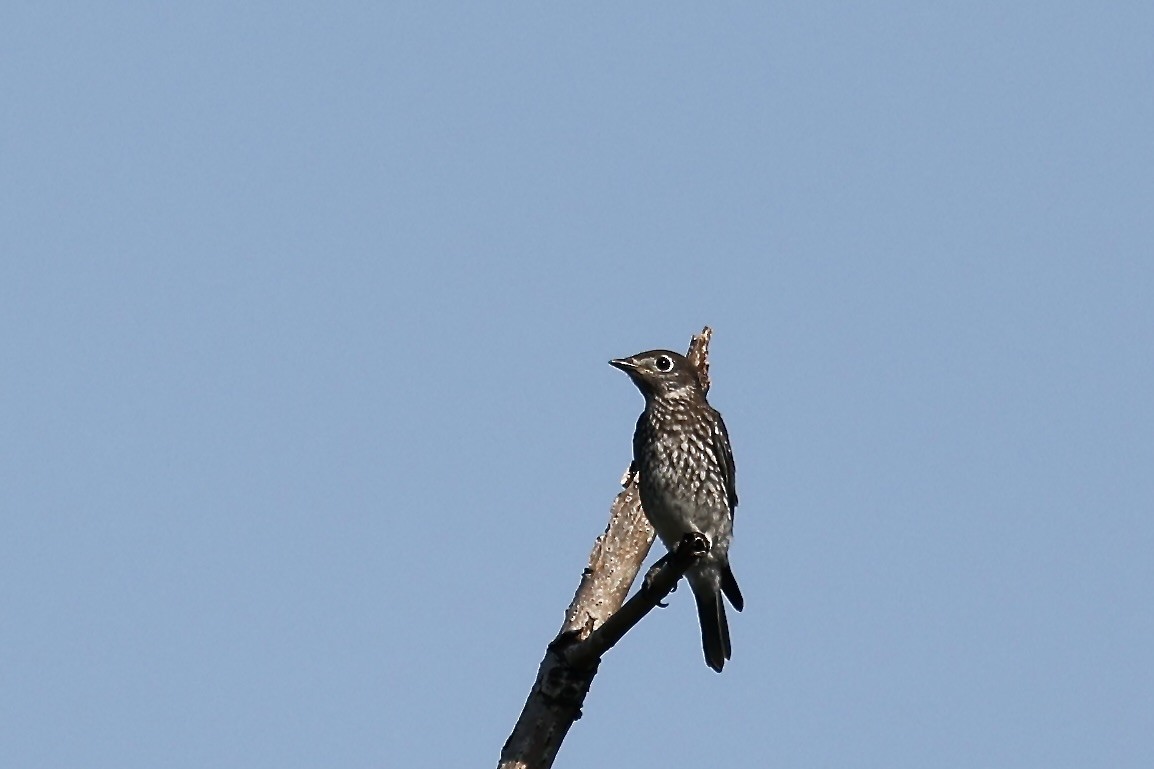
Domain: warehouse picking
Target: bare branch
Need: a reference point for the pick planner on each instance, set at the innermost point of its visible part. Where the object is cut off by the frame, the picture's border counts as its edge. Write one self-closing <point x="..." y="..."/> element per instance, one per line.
<point x="659" y="583"/>
<point x="596" y="620"/>
<point x="699" y="356"/>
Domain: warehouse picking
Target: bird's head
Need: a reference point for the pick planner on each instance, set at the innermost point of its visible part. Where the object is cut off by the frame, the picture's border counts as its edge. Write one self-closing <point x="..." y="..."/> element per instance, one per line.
<point x="660" y="374"/>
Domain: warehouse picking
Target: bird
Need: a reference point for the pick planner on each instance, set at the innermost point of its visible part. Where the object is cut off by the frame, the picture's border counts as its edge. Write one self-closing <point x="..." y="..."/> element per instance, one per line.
<point x="685" y="476"/>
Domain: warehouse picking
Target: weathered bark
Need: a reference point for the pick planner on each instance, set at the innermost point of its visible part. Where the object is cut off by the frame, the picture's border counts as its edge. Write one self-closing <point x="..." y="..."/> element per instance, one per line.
<point x="596" y="618"/>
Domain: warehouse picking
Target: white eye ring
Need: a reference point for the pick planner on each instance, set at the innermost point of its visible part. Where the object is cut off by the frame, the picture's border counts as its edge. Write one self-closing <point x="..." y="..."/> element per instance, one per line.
<point x="663" y="364"/>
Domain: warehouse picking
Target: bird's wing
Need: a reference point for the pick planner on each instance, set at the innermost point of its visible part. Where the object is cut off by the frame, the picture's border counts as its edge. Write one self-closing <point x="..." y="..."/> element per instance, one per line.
<point x="725" y="456"/>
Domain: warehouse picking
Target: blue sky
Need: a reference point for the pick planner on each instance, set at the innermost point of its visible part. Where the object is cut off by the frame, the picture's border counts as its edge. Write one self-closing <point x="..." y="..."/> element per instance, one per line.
<point x="307" y="427"/>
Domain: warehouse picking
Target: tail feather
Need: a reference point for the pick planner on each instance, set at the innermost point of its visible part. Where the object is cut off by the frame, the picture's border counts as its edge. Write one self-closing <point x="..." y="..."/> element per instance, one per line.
<point x="714" y="628"/>
<point x="732" y="591"/>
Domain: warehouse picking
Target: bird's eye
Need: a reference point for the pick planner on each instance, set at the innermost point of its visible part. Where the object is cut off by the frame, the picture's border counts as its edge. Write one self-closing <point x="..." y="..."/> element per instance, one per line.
<point x="663" y="363"/>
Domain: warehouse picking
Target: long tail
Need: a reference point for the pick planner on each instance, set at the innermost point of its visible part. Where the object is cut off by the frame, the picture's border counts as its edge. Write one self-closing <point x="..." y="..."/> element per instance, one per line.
<point x="714" y="627"/>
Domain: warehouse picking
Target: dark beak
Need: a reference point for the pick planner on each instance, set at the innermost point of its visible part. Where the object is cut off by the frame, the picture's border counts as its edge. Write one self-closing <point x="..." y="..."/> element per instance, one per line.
<point x="624" y="364"/>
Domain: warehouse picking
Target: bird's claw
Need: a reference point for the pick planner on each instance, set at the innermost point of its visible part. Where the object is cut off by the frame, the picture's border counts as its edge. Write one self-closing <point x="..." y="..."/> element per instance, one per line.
<point x="695" y="544"/>
<point x="647" y="583"/>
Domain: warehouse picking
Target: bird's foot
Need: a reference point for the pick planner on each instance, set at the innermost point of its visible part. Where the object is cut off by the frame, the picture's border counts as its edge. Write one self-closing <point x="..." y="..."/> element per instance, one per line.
<point x="694" y="544"/>
<point x="647" y="583"/>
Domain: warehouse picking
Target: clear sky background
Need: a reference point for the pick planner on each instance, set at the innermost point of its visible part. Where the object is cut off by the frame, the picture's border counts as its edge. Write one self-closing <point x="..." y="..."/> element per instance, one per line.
<point x="307" y="427"/>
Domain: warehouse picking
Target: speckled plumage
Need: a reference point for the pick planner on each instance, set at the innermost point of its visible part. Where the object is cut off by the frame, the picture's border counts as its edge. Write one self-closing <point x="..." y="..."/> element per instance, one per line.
<point x="686" y="481"/>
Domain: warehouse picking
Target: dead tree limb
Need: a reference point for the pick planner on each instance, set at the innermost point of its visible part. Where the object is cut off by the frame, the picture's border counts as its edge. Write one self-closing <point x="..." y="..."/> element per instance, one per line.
<point x="596" y="618"/>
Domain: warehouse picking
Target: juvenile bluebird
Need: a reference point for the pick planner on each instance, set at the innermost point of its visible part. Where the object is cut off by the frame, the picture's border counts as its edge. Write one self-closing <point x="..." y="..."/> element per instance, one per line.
<point x="686" y="480"/>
